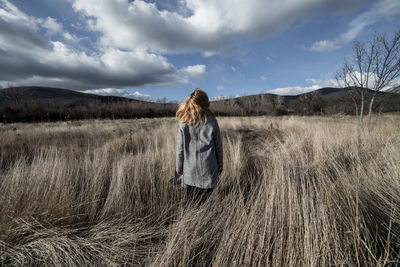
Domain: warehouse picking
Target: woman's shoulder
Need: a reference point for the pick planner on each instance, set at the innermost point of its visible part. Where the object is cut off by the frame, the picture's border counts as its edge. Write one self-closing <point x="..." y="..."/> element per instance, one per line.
<point x="211" y="119"/>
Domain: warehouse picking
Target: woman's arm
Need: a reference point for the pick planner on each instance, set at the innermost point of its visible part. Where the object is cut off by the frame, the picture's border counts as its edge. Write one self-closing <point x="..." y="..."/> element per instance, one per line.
<point x="218" y="147"/>
<point x="179" y="152"/>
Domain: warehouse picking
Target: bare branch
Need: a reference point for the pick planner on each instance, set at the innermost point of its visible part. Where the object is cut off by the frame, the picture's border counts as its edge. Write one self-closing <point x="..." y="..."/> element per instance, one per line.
<point x="375" y="65"/>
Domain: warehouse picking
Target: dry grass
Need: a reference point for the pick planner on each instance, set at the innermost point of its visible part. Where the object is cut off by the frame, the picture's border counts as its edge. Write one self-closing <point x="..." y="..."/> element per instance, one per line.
<point x="294" y="192"/>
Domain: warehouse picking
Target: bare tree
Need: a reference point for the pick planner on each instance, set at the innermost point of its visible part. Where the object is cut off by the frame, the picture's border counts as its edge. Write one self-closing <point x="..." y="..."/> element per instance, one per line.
<point x="312" y="102"/>
<point x="375" y="65"/>
<point x="13" y="97"/>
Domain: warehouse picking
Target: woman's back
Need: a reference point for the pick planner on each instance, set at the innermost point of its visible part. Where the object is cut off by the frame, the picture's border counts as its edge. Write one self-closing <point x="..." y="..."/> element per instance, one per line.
<point x="199" y="153"/>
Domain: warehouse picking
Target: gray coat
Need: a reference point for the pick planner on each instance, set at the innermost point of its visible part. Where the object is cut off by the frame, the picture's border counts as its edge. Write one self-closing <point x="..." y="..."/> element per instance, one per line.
<point x="199" y="153"/>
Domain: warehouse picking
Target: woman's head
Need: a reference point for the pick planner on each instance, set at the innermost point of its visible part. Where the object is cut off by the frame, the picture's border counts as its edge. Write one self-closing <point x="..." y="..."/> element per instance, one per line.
<point x="195" y="108"/>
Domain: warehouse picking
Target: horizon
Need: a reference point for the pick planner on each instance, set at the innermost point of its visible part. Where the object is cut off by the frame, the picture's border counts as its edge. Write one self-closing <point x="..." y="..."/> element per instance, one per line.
<point x="151" y="50"/>
<point x="165" y="100"/>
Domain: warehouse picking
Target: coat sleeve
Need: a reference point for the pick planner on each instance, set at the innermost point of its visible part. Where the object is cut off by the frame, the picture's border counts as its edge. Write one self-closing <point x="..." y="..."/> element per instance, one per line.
<point x="179" y="152"/>
<point x="218" y="147"/>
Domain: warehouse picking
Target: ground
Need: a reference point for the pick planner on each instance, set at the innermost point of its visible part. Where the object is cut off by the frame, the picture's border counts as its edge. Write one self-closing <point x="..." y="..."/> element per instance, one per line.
<point x="295" y="191"/>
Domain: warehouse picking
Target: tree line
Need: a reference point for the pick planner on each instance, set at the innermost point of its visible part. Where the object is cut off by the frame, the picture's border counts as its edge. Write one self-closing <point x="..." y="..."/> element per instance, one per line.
<point x="26" y="111"/>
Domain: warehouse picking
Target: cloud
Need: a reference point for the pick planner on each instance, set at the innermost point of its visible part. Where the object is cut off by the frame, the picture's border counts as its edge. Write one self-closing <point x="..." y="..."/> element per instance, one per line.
<point x="208" y="53"/>
<point x="293" y="90"/>
<point x="133" y="38"/>
<point x="52" y="26"/>
<point x="28" y="58"/>
<point x="373" y="81"/>
<point x="324" y="46"/>
<point x="196" y="71"/>
<point x="380" y="10"/>
<point x="220" y="87"/>
<point x="139" y="96"/>
<point x="219" y="97"/>
<point x="70" y="37"/>
<point x="263" y="78"/>
<point x="106" y="91"/>
<point x="119" y="92"/>
<point x="222" y="97"/>
<point x="328" y="82"/>
<point x="206" y="26"/>
<point x="315" y="84"/>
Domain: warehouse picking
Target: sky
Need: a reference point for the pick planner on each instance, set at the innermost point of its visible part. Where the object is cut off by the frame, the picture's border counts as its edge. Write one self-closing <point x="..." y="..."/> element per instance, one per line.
<point x="164" y="49"/>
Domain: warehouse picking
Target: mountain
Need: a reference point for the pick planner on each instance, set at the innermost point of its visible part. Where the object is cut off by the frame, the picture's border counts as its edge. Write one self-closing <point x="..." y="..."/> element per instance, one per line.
<point x="49" y="104"/>
<point x="327" y="100"/>
<point x="58" y="96"/>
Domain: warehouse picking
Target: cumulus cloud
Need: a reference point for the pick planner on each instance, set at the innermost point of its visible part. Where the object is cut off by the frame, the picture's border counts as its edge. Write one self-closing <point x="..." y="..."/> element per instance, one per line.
<point x="222" y="97"/>
<point x="324" y="46"/>
<point x="293" y="90"/>
<point x="51" y="25"/>
<point x="380" y="10"/>
<point x="373" y="81"/>
<point x="139" y="96"/>
<point x="209" y="26"/>
<point x="219" y="97"/>
<point x="71" y="38"/>
<point x="29" y="58"/>
<point x="119" y="92"/>
<point x="133" y="39"/>
<point x="196" y="71"/>
<point x="314" y="84"/>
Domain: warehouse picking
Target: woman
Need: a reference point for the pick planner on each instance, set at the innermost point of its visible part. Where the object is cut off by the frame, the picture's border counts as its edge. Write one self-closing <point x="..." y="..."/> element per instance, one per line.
<point x="199" y="148"/>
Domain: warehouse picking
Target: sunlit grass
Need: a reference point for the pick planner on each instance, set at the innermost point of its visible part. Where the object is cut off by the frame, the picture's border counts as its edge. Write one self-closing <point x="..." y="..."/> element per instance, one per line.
<point x="295" y="191"/>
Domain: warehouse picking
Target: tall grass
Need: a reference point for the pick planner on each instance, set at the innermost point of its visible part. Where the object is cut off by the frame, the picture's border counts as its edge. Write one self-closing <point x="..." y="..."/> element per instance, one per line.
<point x="295" y="191"/>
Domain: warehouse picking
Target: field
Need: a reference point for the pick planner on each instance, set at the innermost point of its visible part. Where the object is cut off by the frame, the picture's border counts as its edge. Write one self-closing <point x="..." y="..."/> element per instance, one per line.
<point x="295" y="191"/>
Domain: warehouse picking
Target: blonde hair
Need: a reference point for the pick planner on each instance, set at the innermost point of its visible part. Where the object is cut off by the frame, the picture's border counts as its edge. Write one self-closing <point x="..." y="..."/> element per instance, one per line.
<point x="195" y="108"/>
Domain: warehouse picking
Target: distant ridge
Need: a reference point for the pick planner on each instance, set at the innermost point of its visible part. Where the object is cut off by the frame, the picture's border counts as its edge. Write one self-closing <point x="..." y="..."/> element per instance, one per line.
<point x="58" y="95"/>
<point x="49" y="104"/>
<point x="328" y="100"/>
<point x="34" y="103"/>
<point x="328" y="90"/>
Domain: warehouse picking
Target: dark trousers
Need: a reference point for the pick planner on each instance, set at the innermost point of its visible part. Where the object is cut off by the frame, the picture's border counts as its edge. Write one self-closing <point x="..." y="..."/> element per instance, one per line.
<point x="198" y="195"/>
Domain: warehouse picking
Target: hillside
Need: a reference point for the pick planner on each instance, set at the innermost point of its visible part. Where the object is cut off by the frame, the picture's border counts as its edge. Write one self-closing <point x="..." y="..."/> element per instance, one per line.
<point x="325" y="100"/>
<point x="58" y="96"/>
<point x="50" y="104"/>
